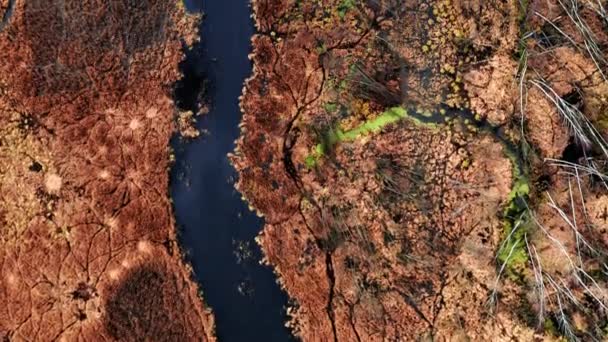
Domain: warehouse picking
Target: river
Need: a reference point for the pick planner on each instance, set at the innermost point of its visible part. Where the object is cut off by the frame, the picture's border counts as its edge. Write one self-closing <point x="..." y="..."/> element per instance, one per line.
<point x="212" y="219"/>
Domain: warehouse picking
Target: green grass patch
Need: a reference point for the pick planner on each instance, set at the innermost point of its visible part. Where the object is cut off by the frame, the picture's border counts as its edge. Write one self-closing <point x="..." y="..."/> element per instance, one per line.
<point x="330" y="107"/>
<point x="550" y="327"/>
<point x="375" y="125"/>
<point x="515" y="216"/>
<point x="322" y="48"/>
<point x="523" y="11"/>
<point x="334" y="136"/>
<point x="344" y="7"/>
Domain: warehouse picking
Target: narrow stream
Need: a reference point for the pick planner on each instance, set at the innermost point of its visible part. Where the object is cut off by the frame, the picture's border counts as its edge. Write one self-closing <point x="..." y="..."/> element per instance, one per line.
<point x="212" y="219"/>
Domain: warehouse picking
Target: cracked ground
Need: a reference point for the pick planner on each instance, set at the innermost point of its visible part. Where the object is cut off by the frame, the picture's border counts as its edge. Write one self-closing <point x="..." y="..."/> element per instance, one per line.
<point x="392" y="236"/>
<point x="88" y="247"/>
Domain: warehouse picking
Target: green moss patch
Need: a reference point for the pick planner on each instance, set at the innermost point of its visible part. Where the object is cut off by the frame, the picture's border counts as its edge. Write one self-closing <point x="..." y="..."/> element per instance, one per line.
<point x="335" y="136"/>
<point x="516" y="223"/>
<point x="344" y="7"/>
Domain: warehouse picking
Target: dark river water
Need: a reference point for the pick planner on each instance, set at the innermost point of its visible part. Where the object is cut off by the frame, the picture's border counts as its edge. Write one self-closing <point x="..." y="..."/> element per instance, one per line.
<point x="212" y="220"/>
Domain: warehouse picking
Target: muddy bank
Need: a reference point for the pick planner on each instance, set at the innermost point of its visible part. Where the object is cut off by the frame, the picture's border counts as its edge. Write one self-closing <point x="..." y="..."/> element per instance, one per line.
<point x="88" y="244"/>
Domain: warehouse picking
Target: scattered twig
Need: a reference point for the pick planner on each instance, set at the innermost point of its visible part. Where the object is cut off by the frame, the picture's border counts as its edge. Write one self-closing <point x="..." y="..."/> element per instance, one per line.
<point x="539" y="280"/>
<point x="582" y="129"/>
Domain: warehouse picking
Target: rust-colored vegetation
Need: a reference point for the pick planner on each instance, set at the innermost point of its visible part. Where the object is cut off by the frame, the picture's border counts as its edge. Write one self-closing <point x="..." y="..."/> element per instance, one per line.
<point x="147" y="302"/>
<point x="451" y="223"/>
<point x="85" y="118"/>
